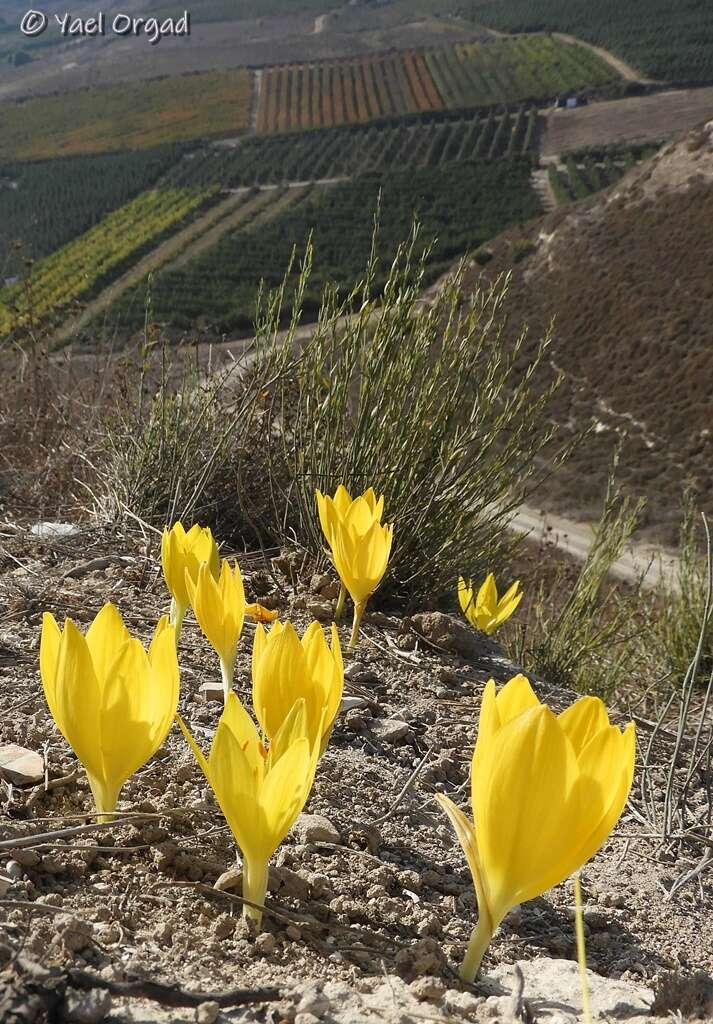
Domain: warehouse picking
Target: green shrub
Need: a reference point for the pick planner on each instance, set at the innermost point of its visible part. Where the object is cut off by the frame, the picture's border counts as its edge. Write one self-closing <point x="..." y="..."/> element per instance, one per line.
<point x="422" y="402"/>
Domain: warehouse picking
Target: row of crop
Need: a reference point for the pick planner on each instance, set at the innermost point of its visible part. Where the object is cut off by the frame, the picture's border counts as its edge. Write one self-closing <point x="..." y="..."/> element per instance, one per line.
<point x="328" y="94"/>
<point x="506" y="71"/>
<point x="347" y="152"/>
<point x="75" y="269"/>
<point x="511" y="71"/>
<point x="664" y="40"/>
<point x="46" y="204"/>
<point x="461" y="205"/>
<point x="583" y="174"/>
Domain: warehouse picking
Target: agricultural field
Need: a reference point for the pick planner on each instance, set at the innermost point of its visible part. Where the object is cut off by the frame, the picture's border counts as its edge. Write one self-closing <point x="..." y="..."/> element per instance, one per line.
<point x="85" y="263"/>
<point x="44" y="205"/>
<point x="506" y="71"/>
<point x="669" y="41"/>
<point x="587" y="171"/>
<point x="641" y="118"/>
<point x="461" y="209"/>
<point x="341" y="152"/>
<point x="130" y="116"/>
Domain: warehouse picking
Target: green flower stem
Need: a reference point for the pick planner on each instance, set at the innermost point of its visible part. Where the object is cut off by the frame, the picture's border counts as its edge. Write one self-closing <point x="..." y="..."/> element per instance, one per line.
<point x="479" y="942"/>
<point x="254" y="888"/>
<point x="581" y="950"/>
<point x="227" y="671"/>
<point x="106" y="798"/>
<point x="359" y="609"/>
<point x="175" y="616"/>
<point x="339" y="610"/>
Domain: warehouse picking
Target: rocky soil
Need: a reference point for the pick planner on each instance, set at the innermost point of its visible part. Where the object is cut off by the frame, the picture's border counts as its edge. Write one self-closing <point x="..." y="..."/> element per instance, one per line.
<point x="370" y="903"/>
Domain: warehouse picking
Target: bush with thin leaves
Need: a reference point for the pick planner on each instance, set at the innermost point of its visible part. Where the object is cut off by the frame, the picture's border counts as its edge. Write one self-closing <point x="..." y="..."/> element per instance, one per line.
<point x="425" y="403"/>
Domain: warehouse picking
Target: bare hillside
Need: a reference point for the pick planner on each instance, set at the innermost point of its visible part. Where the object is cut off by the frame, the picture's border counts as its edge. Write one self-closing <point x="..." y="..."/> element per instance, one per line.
<point x="628" y="278"/>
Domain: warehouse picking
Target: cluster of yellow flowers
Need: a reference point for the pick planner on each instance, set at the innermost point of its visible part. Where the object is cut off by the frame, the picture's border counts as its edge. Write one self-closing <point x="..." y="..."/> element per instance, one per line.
<point x="546" y="791"/>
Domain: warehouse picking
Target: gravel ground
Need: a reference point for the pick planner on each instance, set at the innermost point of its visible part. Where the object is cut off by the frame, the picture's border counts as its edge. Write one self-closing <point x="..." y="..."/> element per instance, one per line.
<point x="377" y="894"/>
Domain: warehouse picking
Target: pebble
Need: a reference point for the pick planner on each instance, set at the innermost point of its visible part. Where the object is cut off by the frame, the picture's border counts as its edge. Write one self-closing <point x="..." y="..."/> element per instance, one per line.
<point x="313" y="1001"/>
<point x="86" y="1007"/>
<point x="14" y="870"/>
<point x="428" y="988"/>
<point x="265" y="943"/>
<point x="212" y="692"/>
<point x="20" y="766"/>
<point x="391" y="730"/>
<point x="28" y="858"/>
<point x="208" y="1012"/>
<point x="315" y="828"/>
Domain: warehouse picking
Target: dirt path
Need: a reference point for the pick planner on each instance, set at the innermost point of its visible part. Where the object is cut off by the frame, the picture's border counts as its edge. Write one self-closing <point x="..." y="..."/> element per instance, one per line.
<point x="620" y="66"/>
<point x="259" y="209"/>
<point x="186" y="244"/>
<point x="255" y="105"/>
<point x="575" y="539"/>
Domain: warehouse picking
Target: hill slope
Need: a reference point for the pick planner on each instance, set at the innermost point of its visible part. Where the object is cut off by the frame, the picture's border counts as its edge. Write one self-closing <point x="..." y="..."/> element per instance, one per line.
<point x="628" y="275"/>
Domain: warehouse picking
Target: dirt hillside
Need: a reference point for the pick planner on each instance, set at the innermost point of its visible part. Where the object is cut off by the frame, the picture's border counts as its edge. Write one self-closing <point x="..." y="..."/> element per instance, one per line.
<point x="627" y="277"/>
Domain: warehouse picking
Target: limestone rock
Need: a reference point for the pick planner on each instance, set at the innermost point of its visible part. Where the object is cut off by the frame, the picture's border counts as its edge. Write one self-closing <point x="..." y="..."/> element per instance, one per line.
<point x="21" y="766"/>
<point x="552" y="988"/>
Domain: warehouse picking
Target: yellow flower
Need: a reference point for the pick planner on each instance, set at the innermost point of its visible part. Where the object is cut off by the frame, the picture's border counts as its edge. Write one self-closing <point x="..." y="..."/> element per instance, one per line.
<point x="113" y="702"/>
<point x="485" y="611"/>
<point x="546" y="793"/>
<point x="286" y="670"/>
<point x="219" y="608"/>
<point x="339" y="508"/>
<point x="360" y="513"/>
<point x="259" y="613"/>
<point x="181" y="555"/>
<point x="260" y="792"/>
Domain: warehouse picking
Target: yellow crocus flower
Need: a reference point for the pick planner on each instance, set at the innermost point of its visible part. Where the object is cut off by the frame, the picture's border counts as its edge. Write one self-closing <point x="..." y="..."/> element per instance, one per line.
<point x="286" y="670"/>
<point x="181" y="555"/>
<point x="546" y="793"/>
<point x="259" y="613"/>
<point x="112" y="702"/>
<point x="219" y="608"/>
<point x="484" y="610"/>
<point x="261" y="793"/>
<point x="361" y="560"/>
<point x="360" y="512"/>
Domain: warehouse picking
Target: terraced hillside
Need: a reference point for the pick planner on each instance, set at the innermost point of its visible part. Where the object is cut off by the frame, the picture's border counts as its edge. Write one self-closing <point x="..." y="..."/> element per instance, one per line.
<point x="581" y="173"/>
<point x="343" y="152"/>
<point x="628" y="278"/>
<point x="505" y="71"/>
<point x="461" y="209"/>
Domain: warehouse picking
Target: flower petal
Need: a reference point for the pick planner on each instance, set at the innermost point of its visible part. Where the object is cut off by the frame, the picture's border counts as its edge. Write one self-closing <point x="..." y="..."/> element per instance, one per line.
<point x="583" y="720"/>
